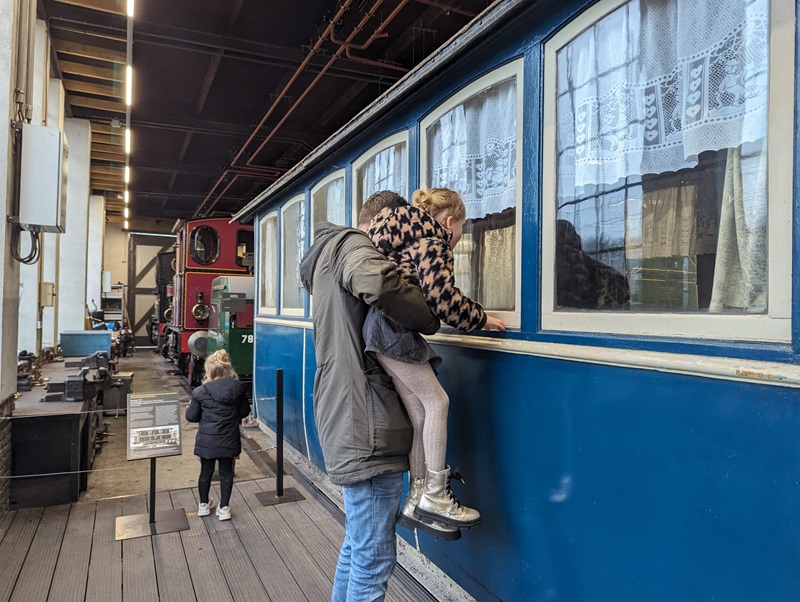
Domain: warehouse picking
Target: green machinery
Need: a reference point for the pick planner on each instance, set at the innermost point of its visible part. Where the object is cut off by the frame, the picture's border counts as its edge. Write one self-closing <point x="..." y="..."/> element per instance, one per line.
<point x="231" y="322"/>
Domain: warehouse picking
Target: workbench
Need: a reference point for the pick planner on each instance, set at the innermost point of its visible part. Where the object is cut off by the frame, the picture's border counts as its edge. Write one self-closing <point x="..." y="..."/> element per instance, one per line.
<point x="47" y="438"/>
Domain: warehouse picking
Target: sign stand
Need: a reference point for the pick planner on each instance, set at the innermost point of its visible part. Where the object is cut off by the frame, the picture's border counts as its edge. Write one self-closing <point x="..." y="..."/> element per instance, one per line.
<point x="279" y="496"/>
<point x="153" y="432"/>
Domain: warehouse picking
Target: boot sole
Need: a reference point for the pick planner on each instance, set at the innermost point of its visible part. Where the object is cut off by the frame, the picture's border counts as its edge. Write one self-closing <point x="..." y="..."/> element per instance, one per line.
<point x="422" y="515"/>
<point x="435" y="533"/>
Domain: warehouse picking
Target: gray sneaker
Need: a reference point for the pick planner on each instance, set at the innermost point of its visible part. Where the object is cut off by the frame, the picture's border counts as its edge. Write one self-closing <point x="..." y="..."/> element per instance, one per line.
<point x="207" y="508"/>
<point x="224" y="513"/>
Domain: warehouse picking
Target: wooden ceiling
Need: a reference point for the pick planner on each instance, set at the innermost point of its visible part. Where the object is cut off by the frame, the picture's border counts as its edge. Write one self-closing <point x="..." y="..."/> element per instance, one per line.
<point x="208" y="72"/>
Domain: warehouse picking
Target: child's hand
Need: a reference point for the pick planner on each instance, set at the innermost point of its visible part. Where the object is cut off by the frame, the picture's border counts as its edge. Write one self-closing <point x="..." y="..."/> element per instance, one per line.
<point x="493" y="324"/>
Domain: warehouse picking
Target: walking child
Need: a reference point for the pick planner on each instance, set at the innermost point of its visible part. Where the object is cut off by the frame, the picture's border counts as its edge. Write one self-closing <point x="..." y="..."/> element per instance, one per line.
<point x="219" y="405"/>
<point x="420" y="240"/>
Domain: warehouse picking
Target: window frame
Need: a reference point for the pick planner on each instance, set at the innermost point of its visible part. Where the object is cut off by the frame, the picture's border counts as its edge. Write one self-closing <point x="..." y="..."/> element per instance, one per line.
<point x="358" y="163"/>
<point x="262" y="231"/>
<point x="288" y="311"/>
<point x="339" y="173"/>
<point x="775" y="326"/>
<point x="512" y="319"/>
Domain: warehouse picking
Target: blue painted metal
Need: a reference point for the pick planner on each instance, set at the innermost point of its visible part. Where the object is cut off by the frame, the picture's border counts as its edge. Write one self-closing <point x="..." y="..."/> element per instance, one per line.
<point x="281" y="347"/>
<point x="595" y="482"/>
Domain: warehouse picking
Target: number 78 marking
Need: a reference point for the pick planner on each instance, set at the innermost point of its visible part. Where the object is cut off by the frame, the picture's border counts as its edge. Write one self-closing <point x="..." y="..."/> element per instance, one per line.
<point x="247" y="338"/>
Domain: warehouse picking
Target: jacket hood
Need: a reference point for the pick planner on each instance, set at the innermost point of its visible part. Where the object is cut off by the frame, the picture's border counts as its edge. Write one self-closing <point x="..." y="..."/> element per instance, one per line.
<point x="324" y="233"/>
<point x="224" y="390"/>
<point x="396" y="228"/>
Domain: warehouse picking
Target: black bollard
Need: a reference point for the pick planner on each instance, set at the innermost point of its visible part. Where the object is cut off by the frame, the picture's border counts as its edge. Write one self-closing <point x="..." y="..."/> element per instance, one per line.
<point x="270" y="498"/>
<point x="279" y="430"/>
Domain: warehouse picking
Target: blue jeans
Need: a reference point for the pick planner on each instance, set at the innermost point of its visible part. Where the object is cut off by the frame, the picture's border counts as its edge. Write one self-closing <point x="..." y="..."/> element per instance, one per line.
<point x="369" y="551"/>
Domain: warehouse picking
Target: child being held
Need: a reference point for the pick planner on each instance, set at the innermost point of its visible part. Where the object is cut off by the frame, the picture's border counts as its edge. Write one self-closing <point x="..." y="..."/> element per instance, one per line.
<point x="420" y="240"/>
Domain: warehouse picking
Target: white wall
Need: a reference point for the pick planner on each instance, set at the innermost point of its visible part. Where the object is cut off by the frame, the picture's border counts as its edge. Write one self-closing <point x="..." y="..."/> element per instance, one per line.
<point x="52" y="242"/>
<point x="29" y="274"/>
<point x="94" y="258"/>
<point x="74" y="242"/>
<point x="9" y="268"/>
<point x="115" y="253"/>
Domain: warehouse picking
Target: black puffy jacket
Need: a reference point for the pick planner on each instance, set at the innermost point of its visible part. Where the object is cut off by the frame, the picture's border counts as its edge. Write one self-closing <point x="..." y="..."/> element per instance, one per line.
<point x="218" y="406"/>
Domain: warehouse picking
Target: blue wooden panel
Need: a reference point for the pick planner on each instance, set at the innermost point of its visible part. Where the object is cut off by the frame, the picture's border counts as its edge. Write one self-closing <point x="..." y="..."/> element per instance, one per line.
<point x="602" y="483"/>
<point x="281" y="347"/>
<point x="314" y="449"/>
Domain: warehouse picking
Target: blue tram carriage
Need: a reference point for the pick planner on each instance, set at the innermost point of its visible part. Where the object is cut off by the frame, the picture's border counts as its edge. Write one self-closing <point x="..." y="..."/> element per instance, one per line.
<point x="632" y="194"/>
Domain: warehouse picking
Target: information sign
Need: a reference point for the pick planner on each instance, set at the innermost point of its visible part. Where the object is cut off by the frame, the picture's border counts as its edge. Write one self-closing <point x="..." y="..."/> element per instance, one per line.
<point x="154" y="426"/>
<point x="233" y="302"/>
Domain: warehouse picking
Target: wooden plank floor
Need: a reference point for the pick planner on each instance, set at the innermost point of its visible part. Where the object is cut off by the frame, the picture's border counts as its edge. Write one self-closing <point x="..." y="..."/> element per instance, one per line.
<point x="280" y="553"/>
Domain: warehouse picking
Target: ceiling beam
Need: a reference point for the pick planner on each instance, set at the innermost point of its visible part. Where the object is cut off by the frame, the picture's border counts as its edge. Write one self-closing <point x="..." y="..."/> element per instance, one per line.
<point x="111" y="157"/>
<point x="90" y="52"/>
<point x="116" y="7"/>
<point x="107" y="148"/>
<point x="106" y="173"/>
<point x="107" y="128"/>
<point x="71" y="18"/>
<point x="75" y="85"/>
<point x="185" y="123"/>
<point x="108" y="139"/>
<point x="114" y="74"/>
<point x="96" y="103"/>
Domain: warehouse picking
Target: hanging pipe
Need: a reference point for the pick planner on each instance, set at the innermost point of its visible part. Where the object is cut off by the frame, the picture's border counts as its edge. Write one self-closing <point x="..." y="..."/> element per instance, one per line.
<point x="333" y="58"/>
<point x="280" y="96"/>
<point x="314" y="49"/>
<point x="21" y="70"/>
<point x="31" y="61"/>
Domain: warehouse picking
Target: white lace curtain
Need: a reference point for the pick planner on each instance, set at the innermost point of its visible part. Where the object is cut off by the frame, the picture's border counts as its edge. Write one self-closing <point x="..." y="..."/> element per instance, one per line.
<point x="472" y="149"/>
<point x="386" y="170"/>
<point x="329" y="203"/>
<point x="294" y="231"/>
<point x="269" y="258"/>
<point x="656" y="82"/>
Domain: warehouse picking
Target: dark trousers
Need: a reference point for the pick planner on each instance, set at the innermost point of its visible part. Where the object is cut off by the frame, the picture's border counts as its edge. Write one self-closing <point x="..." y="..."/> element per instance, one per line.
<point x="225" y="479"/>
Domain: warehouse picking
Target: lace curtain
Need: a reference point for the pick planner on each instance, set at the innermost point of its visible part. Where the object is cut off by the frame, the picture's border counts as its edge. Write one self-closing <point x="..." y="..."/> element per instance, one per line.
<point x="293" y="246"/>
<point x="269" y="259"/>
<point x="654" y="83"/>
<point x="386" y="170"/>
<point x="646" y="90"/>
<point x="329" y="203"/>
<point x="472" y="149"/>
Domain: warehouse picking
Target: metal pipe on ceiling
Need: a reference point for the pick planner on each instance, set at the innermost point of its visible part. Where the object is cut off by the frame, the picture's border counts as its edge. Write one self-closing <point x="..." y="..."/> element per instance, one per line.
<point x="333" y="58"/>
<point x="317" y="45"/>
<point x="337" y="54"/>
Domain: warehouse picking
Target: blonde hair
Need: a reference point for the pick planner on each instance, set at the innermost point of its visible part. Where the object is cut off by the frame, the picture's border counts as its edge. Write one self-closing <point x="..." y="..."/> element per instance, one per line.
<point x="440" y="203"/>
<point x="218" y="365"/>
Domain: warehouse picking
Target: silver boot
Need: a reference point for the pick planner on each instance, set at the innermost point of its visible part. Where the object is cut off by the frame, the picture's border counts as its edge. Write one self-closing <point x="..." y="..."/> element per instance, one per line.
<point x="407" y="519"/>
<point x="438" y="503"/>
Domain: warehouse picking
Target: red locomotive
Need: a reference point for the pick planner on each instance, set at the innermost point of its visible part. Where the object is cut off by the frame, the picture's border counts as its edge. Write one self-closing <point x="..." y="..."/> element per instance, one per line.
<point x="206" y="249"/>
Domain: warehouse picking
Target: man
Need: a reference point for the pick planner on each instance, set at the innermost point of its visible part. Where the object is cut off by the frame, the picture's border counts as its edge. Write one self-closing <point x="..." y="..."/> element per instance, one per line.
<point x="363" y="429"/>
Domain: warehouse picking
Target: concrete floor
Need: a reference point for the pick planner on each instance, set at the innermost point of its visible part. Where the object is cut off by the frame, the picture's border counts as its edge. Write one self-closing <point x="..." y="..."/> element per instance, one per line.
<point x="113" y="475"/>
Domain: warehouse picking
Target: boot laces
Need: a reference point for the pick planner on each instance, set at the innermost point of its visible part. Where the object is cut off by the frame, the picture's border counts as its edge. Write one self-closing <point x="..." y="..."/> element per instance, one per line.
<point x="457" y="476"/>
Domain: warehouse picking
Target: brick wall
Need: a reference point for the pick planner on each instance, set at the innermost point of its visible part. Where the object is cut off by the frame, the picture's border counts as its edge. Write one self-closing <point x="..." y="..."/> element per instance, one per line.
<point x="5" y="454"/>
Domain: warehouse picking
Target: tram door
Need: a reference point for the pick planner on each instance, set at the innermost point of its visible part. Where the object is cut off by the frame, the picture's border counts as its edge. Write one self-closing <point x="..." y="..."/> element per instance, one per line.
<point x="143" y="253"/>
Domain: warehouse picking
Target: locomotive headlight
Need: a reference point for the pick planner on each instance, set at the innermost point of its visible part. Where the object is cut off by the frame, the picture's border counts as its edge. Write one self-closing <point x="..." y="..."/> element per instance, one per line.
<point x="201" y="312"/>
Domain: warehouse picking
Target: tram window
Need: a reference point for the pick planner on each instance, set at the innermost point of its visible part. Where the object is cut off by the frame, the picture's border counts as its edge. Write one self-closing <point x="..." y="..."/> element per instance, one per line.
<point x="268" y="263"/>
<point x="244" y="247"/>
<point x="204" y="245"/>
<point x="660" y="200"/>
<point x="328" y="201"/>
<point x="293" y="238"/>
<point x="382" y="167"/>
<point x="470" y="146"/>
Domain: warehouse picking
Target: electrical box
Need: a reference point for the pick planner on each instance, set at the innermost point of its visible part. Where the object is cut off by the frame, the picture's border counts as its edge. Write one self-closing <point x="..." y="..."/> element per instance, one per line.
<point x="43" y="179"/>
<point x="46" y="293"/>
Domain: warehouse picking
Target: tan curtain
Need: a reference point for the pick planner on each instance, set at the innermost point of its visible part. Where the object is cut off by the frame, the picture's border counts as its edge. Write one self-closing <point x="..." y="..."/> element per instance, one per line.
<point x="740" y="275"/>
